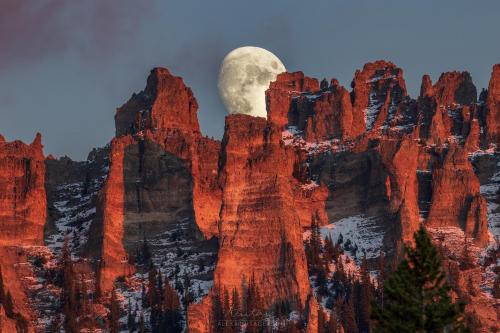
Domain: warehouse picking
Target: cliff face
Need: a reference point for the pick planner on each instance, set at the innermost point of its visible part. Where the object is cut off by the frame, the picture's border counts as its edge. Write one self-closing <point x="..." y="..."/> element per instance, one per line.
<point x="261" y="233"/>
<point x="492" y="108"/>
<point x="162" y="174"/>
<point x="22" y="192"/>
<point x="456" y="199"/>
<point x="22" y="219"/>
<point x="367" y="166"/>
<point x="165" y="103"/>
<point x="377" y="91"/>
<point x="447" y="110"/>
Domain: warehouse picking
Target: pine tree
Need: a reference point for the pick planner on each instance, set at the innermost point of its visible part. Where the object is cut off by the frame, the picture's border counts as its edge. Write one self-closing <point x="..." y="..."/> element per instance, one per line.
<point x="235" y="310"/>
<point x="381" y="278"/>
<point x="8" y="305"/>
<point x="131" y="324"/>
<point x="417" y="295"/>
<point x="254" y="306"/>
<point x="142" y="328"/>
<point x="496" y="288"/>
<point x="171" y="316"/>
<point x="321" y="321"/>
<point x="349" y="317"/>
<point x="114" y="313"/>
<point x="217" y="311"/>
<point x="70" y="297"/>
<point x="145" y="252"/>
<point x="332" y="325"/>
<point x="365" y="298"/>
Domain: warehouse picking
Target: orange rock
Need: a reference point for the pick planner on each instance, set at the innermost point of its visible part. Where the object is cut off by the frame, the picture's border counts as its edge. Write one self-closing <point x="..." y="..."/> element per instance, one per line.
<point x="165" y="103"/>
<point x="114" y="259"/>
<point x="401" y="160"/>
<point x="376" y="90"/>
<point x="456" y="199"/>
<point x="23" y="203"/>
<point x="260" y="230"/>
<point x="447" y="108"/>
<point x="492" y="120"/>
<point x="158" y="123"/>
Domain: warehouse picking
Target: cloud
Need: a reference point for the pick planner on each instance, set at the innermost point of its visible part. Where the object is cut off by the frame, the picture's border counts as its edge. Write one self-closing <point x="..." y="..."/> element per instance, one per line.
<point x="36" y="30"/>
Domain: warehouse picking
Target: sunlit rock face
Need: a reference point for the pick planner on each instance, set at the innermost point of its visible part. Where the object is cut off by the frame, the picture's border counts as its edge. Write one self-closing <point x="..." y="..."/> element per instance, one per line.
<point x="162" y="178"/>
<point x="377" y="90"/>
<point x="260" y="230"/>
<point x="448" y="109"/>
<point x="22" y="192"/>
<point x="492" y="108"/>
<point x="369" y="163"/>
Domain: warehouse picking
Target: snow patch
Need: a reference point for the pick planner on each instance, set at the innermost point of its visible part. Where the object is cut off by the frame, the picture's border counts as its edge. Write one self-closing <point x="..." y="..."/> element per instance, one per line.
<point x="360" y="231"/>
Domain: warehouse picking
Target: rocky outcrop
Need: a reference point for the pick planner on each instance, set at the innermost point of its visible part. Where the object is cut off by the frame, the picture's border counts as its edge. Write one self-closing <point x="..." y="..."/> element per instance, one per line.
<point x="165" y="103"/>
<point x="400" y="159"/>
<point x="456" y="197"/>
<point x="377" y="90"/>
<point x="261" y="234"/>
<point x="282" y="91"/>
<point x="163" y="174"/>
<point x="22" y="218"/>
<point x="109" y="226"/>
<point x="22" y="193"/>
<point x="372" y="161"/>
<point x="447" y="110"/>
<point x="492" y="108"/>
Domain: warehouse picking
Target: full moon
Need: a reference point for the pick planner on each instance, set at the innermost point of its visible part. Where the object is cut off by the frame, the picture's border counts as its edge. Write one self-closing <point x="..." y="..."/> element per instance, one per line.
<point x="244" y="77"/>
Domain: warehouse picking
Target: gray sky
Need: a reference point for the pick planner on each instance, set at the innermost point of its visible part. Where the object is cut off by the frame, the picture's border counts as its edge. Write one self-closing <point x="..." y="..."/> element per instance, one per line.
<point x="66" y="65"/>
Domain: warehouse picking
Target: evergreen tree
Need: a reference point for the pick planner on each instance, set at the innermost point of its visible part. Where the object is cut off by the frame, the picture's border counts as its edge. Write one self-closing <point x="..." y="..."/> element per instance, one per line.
<point x="365" y="298"/>
<point x="131" y="324"/>
<point x="381" y="277"/>
<point x="142" y="328"/>
<point x="235" y="310"/>
<point x="114" y="313"/>
<point x="496" y="288"/>
<point x="8" y="305"/>
<point x="321" y="321"/>
<point x="170" y="316"/>
<point x="349" y="317"/>
<point x="217" y="312"/>
<point x="417" y="295"/>
<point x="145" y="252"/>
<point x="70" y="288"/>
<point x="332" y="325"/>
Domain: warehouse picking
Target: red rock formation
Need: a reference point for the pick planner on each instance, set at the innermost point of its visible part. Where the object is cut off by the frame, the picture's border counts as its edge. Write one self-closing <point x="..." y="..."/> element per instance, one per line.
<point x="6" y="324"/>
<point x="282" y="90"/>
<point x="456" y="199"/>
<point x="114" y="259"/>
<point x="261" y="235"/>
<point x="259" y="196"/>
<point x="22" y="193"/>
<point x="454" y="88"/>
<point x="22" y="218"/>
<point x="165" y="103"/>
<point x="296" y="100"/>
<point x="492" y="120"/>
<point x="446" y="109"/>
<point x="377" y="90"/>
<point x="401" y="160"/>
<point x="163" y="124"/>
